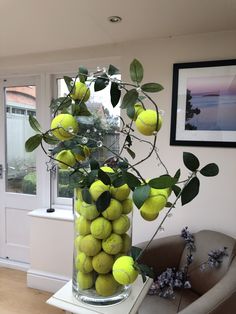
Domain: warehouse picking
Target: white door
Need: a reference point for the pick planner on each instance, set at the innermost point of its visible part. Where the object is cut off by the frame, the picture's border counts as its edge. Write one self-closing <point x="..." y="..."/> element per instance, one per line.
<point x="18" y="187"/>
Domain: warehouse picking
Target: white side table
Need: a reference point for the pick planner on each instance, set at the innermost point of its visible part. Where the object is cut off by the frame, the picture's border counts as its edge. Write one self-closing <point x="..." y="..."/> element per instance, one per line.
<point x="65" y="300"/>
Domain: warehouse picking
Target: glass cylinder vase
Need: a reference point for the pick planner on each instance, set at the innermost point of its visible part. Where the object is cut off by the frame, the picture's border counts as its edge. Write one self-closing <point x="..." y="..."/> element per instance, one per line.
<point x="100" y="237"/>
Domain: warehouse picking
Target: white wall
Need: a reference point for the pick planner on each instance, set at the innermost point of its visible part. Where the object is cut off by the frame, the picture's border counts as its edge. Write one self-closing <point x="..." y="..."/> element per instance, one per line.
<point x="215" y="207"/>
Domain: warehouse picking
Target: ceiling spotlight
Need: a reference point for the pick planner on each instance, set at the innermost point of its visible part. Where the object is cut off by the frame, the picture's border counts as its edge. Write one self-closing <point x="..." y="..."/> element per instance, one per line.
<point x="114" y="19"/>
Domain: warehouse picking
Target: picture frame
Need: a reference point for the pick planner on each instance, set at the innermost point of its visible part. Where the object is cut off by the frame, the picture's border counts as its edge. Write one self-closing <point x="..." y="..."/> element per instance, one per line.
<point x="204" y="104"/>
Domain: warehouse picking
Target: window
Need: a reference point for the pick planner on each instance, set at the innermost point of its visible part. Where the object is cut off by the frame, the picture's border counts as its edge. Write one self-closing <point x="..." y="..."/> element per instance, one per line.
<point x="105" y="118"/>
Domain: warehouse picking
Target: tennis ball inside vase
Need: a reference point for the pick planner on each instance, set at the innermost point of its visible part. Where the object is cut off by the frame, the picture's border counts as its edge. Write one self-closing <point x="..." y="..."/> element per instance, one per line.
<point x="101" y="228"/>
<point x="106" y="285"/>
<point x="102" y="263"/>
<point x="64" y="126"/>
<point x="85" y="281"/>
<point x="97" y="188"/>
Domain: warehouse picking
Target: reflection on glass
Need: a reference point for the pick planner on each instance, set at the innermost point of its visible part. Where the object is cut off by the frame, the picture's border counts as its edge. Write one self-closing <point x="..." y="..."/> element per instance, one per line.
<point x="20" y="102"/>
<point x="105" y="118"/>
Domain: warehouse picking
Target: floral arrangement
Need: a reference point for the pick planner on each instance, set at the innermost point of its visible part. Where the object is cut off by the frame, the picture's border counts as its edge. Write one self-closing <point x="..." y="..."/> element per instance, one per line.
<point x="103" y="204"/>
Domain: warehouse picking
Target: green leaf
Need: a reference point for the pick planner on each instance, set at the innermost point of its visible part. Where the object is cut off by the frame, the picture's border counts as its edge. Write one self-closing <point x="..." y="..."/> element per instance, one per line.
<point x="135" y="251"/>
<point x="128" y="140"/>
<point x="129" y="99"/>
<point x="140" y="194"/>
<point x="152" y="87"/>
<point x="145" y="270"/>
<point x="130" y="111"/>
<point x="80" y="109"/>
<point x="118" y="181"/>
<point x="103" y="201"/>
<point x="101" y="82"/>
<point x="112" y="70"/>
<point x="60" y="103"/>
<point x="136" y="71"/>
<point x="94" y="164"/>
<point x="69" y="83"/>
<point x="104" y="177"/>
<point x="130" y="152"/>
<point x="83" y="74"/>
<point x="33" y="142"/>
<point x="162" y="182"/>
<point x="190" y="191"/>
<point x="210" y="170"/>
<point x="176" y="189"/>
<point x="191" y="161"/>
<point x="34" y="124"/>
<point x="131" y="180"/>
<point x="87" y="198"/>
<point x="51" y="140"/>
<point x="115" y="94"/>
<point x="177" y="175"/>
<point x="90" y="178"/>
<point x="169" y="204"/>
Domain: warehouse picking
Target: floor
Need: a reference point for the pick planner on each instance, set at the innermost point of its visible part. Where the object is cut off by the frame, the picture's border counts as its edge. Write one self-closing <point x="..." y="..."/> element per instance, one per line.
<point x="16" y="298"/>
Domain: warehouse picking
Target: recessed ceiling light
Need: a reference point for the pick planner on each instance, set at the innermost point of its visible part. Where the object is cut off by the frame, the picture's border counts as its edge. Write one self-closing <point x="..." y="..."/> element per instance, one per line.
<point x="114" y="19"/>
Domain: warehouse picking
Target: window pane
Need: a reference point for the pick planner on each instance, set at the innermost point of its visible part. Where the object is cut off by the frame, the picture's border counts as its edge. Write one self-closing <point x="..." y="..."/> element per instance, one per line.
<point x="105" y="118"/>
<point x="21" y="166"/>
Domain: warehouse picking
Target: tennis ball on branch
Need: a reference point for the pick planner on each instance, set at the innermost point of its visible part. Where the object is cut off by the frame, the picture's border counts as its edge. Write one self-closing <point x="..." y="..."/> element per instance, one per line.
<point x="86" y="153"/>
<point x="127" y="206"/>
<point x="113" y="211"/>
<point x="120" y="193"/>
<point x="82" y="226"/>
<point x="146" y="122"/>
<point x="65" y="159"/>
<point x="84" y="263"/>
<point x="153" y="205"/>
<point x="102" y="263"/>
<point x="89" y="211"/>
<point x="85" y="281"/>
<point x="90" y="245"/>
<point x="64" y="126"/>
<point x="106" y="285"/>
<point x="113" y="244"/>
<point x="107" y="169"/>
<point x="138" y="108"/>
<point x="81" y="92"/>
<point x="101" y="228"/>
<point x="121" y="225"/>
<point x="97" y="188"/>
<point x="123" y="270"/>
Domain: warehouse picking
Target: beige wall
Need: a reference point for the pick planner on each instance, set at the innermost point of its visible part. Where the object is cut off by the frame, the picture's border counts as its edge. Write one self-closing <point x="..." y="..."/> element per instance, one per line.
<point x="215" y="207"/>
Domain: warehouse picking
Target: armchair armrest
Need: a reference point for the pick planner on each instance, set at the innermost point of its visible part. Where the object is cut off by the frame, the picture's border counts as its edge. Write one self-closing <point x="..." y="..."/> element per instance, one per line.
<point x="219" y="299"/>
<point x="163" y="253"/>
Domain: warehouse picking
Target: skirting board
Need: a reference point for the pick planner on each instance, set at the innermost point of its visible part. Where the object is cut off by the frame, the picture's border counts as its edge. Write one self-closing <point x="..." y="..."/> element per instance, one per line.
<point x="45" y="281"/>
<point x="13" y="264"/>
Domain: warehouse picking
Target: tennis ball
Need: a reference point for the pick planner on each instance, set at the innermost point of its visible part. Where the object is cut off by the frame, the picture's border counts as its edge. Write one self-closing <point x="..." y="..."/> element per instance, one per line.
<point x="97" y="188"/>
<point x="146" y="122"/>
<point x="81" y="92"/>
<point x="101" y="228"/>
<point x="83" y="263"/>
<point x="82" y="226"/>
<point x="127" y="206"/>
<point x="65" y="159"/>
<point x="78" y="194"/>
<point x="106" y="285"/>
<point x="148" y="215"/>
<point x="90" y="246"/>
<point x="89" y="211"/>
<point x="113" y="211"/>
<point x="107" y="169"/>
<point x="64" y="126"/>
<point x="121" y="225"/>
<point x="85" y="281"/>
<point x="126" y="244"/>
<point x="138" y="109"/>
<point x="102" y="263"/>
<point x="120" y="193"/>
<point x="78" y="203"/>
<point x="123" y="270"/>
<point x="156" y="192"/>
<point x="77" y="242"/>
<point x="112" y="244"/>
<point x="86" y="152"/>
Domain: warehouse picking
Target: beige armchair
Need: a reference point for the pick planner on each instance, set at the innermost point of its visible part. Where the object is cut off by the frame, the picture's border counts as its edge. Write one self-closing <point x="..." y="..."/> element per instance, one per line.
<point x="213" y="291"/>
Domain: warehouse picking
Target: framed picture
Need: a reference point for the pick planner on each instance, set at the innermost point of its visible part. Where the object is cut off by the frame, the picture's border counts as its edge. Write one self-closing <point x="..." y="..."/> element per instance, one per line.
<point x="204" y="104"/>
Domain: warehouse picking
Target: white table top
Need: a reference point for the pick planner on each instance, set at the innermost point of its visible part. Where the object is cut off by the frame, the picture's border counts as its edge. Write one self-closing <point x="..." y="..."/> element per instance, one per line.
<point x="65" y="300"/>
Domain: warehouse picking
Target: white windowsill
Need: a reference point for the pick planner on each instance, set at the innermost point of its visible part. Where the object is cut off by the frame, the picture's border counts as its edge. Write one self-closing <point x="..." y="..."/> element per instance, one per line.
<point x="59" y="214"/>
